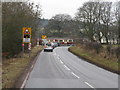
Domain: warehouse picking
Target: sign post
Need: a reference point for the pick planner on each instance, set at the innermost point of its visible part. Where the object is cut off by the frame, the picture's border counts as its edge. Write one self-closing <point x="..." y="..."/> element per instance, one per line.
<point x="29" y="48"/>
<point x="38" y="42"/>
<point x="26" y="31"/>
<point x="22" y="50"/>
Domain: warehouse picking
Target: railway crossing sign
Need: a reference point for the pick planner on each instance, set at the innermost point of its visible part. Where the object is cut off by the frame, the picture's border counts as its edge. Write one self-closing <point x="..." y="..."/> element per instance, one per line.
<point x="26" y="34"/>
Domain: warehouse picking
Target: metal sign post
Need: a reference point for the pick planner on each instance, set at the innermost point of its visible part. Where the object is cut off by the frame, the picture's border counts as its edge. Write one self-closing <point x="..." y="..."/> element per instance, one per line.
<point x="23" y="50"/>
<point x="29" y="48"/>
<point x="38" y="42"/>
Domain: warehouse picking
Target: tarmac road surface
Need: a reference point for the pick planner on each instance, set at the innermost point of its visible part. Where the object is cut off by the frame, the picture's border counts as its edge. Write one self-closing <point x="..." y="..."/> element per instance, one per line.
<point x="62" y="69"/>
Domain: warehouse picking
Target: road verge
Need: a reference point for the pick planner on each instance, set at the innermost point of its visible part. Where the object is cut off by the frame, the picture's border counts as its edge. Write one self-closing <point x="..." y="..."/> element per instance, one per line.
<point x="95" y="59"/>
<point x="14" y="70"/>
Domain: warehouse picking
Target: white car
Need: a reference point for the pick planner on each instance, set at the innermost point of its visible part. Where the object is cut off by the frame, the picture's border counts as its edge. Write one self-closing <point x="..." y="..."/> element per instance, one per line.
<point x="55" y="44"/>
<point x="48" y="47"/>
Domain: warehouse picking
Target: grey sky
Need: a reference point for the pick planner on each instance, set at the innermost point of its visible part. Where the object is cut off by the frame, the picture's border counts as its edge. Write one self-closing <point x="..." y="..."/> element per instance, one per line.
<point x="53" y="7"/>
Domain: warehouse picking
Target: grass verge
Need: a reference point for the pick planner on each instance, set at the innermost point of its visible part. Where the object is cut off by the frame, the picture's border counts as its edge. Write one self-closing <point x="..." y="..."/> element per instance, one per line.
<point x="96" y="59"/>
<point x="13" y="68"/>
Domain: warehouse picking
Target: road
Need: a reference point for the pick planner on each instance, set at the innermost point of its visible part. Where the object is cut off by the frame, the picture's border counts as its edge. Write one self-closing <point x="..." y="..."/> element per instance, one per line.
<point x="62" y="69"/>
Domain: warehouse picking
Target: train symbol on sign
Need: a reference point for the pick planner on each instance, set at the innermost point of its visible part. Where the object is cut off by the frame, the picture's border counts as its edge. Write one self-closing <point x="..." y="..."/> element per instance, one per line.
<point x="26" y="31"/>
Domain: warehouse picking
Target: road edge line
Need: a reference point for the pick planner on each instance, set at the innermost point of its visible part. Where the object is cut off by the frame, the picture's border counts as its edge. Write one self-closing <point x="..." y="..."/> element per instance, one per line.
<point x="89" y="85"/>
<point x="22" y="86"/>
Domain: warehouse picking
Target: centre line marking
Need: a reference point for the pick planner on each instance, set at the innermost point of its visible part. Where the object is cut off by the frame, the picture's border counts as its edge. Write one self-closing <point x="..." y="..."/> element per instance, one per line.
<point x="61" y="62"/>
<point x="89" y="85"/>
<point x="66" y="67"/>
<point x="75" y="75"/>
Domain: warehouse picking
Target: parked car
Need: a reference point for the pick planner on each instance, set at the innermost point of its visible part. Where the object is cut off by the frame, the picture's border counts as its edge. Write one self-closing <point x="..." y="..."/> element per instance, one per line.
<point x="48" y="47"/>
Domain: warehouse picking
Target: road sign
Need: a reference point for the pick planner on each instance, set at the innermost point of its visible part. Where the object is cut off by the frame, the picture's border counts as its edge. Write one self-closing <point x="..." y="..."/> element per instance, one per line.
<point x="44" y="37"/>
<point x="23" y="45"/>
<point x="26" y="34"/>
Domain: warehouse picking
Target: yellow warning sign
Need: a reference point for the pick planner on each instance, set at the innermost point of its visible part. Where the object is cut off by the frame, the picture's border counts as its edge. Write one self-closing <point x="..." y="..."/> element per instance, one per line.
<point x="44" y="37"/>
<point x="27" y="30"/>
<point x="26" y="34"/>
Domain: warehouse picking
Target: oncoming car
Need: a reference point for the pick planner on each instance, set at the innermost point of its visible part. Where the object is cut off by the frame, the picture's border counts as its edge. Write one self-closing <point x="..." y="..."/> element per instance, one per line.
<point x="48" y="47"/>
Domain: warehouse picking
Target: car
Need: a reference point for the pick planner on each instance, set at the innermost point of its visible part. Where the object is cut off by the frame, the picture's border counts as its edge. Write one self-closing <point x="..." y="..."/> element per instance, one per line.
<point x="48" y="47"/>
<point x="55" y="44"/>
<point x="52" y="44"/>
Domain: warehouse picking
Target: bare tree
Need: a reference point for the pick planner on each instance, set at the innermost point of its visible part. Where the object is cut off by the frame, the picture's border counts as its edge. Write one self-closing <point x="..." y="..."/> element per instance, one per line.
<point x="96" y="18"/>
<point x="89" y="14"/>
<point x="117" y="17"/>
<point x="106" y="19"/>
<point x="59" y="25"/>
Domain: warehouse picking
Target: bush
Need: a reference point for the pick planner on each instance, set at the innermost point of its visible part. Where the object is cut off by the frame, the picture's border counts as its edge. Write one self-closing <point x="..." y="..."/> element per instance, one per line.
<point x="93" y="46"/>
<point x="116" y="51"/>
<point x="88" y="45"/>
<point x="108" y="49"/>
<point x="97" y="47"/>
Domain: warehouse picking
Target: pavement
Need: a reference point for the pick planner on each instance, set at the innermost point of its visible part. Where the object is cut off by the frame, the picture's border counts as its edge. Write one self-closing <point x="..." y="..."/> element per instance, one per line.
<point x="62" y="69"/>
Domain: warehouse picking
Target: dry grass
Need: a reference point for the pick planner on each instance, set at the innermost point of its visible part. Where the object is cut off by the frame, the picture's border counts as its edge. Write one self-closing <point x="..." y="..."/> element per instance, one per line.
<point x="97" y="59"/>
<point x="13" y="68"/>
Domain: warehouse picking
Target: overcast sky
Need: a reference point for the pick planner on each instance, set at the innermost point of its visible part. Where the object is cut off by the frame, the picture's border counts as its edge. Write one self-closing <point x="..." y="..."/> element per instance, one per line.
<point x="53" y="7"/>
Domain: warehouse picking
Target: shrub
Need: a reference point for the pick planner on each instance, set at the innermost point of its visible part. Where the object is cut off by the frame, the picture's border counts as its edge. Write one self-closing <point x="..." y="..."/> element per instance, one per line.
<point x="116" y="51"/>
<point x="97" y="47"/>
<point x="108" y="49"/>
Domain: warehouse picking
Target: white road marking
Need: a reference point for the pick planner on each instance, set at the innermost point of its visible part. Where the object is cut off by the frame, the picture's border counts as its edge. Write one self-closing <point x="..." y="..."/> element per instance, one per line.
<point x="66" y="67"/>
<point x="89" y="85"/>
<point x="31" y="66"/>
<point x="75" y="75"/>
<point x="61" y="62"/>
<point x="25" y="80"/>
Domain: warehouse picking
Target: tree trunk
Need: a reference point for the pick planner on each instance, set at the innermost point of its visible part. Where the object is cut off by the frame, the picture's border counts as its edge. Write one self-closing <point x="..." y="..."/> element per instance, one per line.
<point x="106" y="40"/>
